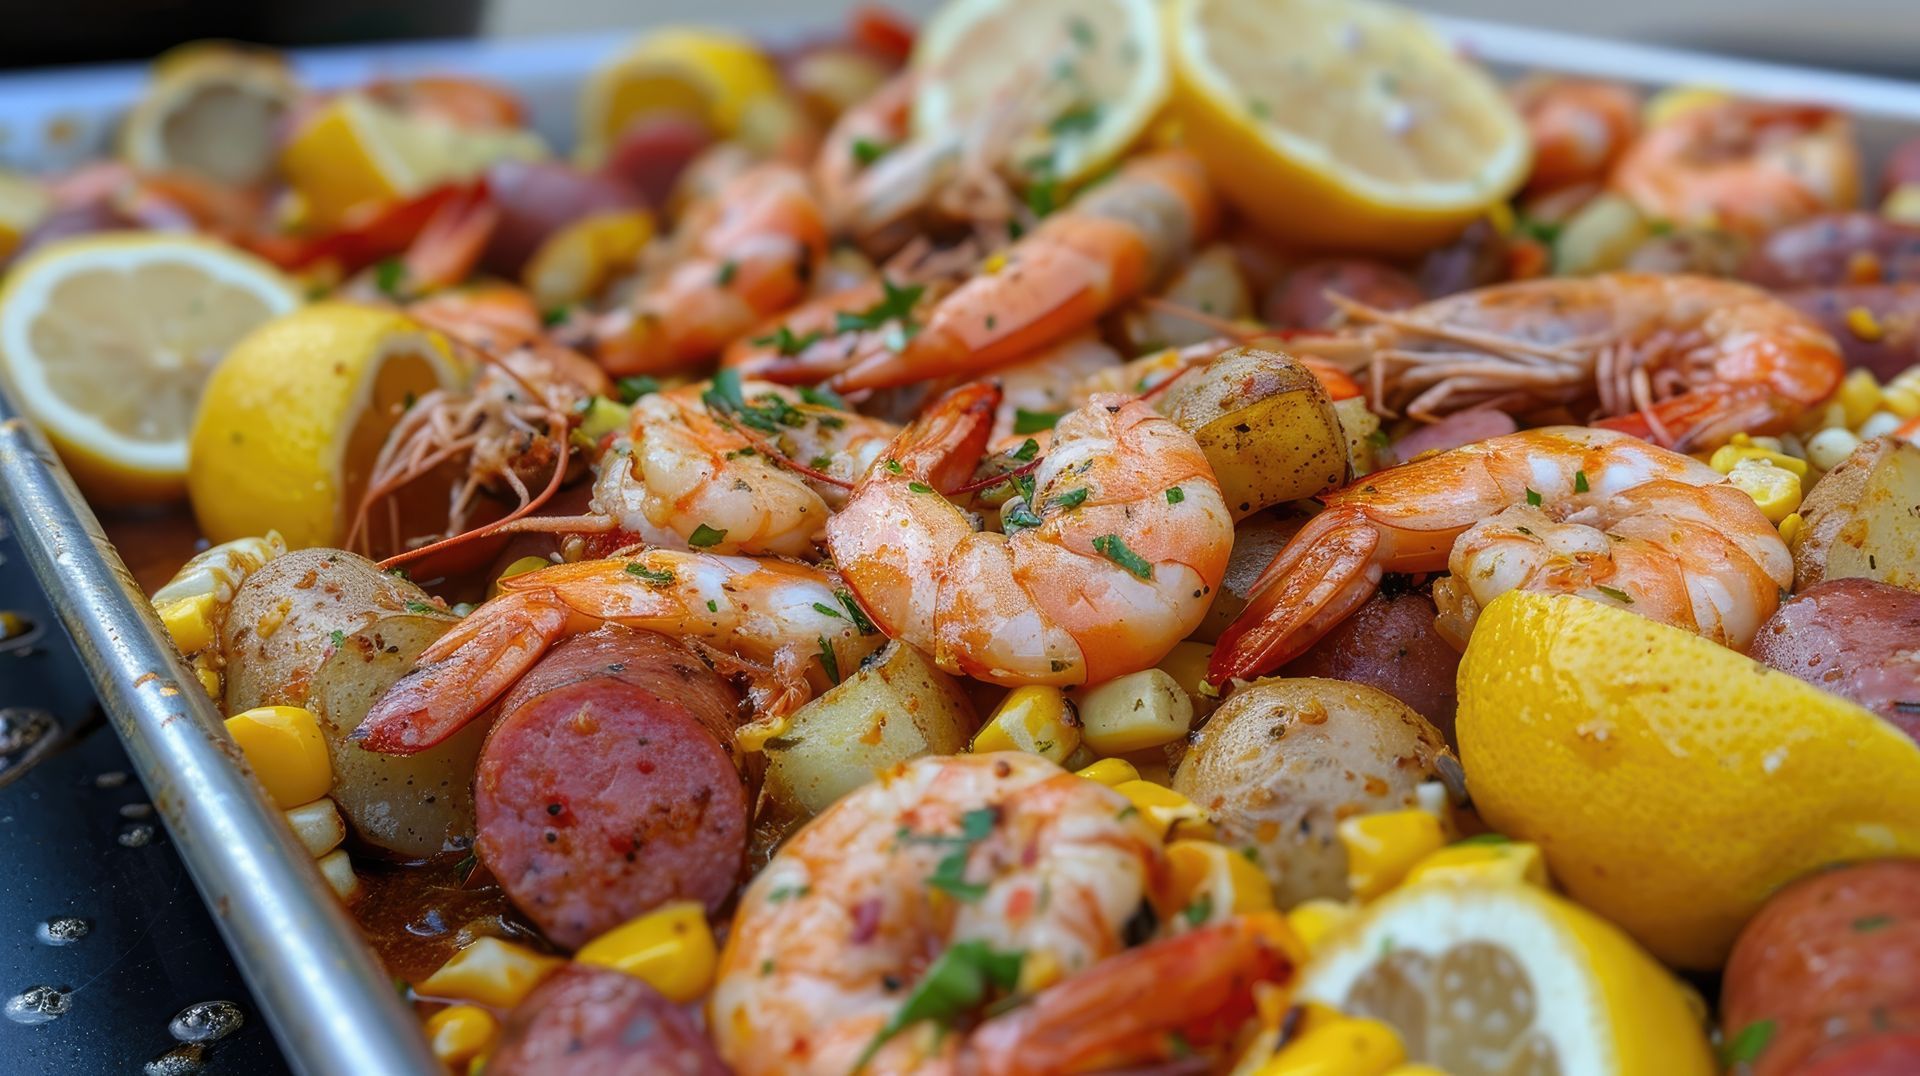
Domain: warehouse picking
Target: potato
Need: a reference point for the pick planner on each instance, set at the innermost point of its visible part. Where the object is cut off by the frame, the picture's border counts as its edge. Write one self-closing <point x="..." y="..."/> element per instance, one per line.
<point x="1863" y="519"/>
<point x="1829" y="968"/>
<point x="329" y="631"/>
<point x="1282" y="762"/>
<point x="1856" y="638"/>
<point x="1256" y="541"/>
<point x="1265" y="424"/>
<point x="896" y="707"/>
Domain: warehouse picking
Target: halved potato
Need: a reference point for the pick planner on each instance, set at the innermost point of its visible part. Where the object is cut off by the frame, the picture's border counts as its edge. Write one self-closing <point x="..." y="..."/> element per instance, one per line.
<point x="1863" y="519"/>
<point x="896" y="707"/>
<point x="329" y="631"/>
<point x="1266" y="425"/>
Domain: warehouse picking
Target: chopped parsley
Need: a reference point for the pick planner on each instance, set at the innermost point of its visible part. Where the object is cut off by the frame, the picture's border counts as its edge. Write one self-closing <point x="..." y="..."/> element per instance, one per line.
<point x="1533" y="497"/>
<point x="712" y="606"/>
<point x="728" y="270"/>
<point x="829" y="660"/>
<point x="704" y="536"/>
<point x="1746" y="1047"/>
<point x="1866" y="924"/>
<point x="786" y="892"/>
<point x="1027" y="450"/>
<point x="554" y="315"/>
<point x="1200" y="910"/>
<point x="827" y="610"/>
<point x="1025" y="421"/>
<point x="896" y="304"/>
<point x="1072" y="498"/>
<point x="339" y="638"/>
<point x="1485" y="838"/>
<point x="893" y="467"/>
<point x="389" y="274"/>
<point x="919" y="487"/>
<point x="1580" y="482"/>
<point x="1043" y="196"/>
<point x="822" y="397"/>
<point x="658" y="578"/>
<point x="786" y="343"/>
<point x="1175" y="495"/>
<point x="767" y="413"/>
<point x="854" y="612"/>
<point x="421" y="607"/>
<point x="1111" y="547"/>
<point x="1615" y="593"/>
<point x="954" y="984"/>
<point x="867" y="151"/>
<point x="1075" y="121"/>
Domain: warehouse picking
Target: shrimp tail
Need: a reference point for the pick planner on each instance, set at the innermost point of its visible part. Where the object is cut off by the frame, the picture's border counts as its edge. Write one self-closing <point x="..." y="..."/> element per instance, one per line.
<point x="1120" y="1012"/>
<point x="462" y="674"/>
<point x="947" y="442"/>
<point x="1329" y="569"/>
<point x="1704" y="417"/>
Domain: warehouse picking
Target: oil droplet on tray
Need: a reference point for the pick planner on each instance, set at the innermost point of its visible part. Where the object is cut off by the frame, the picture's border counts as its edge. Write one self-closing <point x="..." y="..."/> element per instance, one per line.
<point x="38" y="1005"/>
<point x="207" y="1021"/>
<point x="62" y="930"/>
<point x="183" y="1060"/>
<point x="138" y="835"/>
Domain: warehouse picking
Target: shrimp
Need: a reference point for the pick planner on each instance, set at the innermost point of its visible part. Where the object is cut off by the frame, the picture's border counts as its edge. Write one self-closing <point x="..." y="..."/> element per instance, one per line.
<point x="806" y="345"/>
<point x="694" y="474"/>
<point x="1108" y="246"/>
<point x="1742" y="166"/>
<point x="1109" y="558"/>
<point x="1037" y="871"/>
<point x="1685" y="361"/>
<point x="787" y="617"/>
<point x="1049" y="383"/>
<point x="749" y="252"/>
<point x="1559" y="509"/>
<point x="1579" y="128"/>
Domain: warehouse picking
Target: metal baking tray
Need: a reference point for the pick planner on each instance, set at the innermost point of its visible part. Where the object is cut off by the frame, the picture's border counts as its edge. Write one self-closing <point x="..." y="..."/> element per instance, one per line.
<point x="330" y="1006"/>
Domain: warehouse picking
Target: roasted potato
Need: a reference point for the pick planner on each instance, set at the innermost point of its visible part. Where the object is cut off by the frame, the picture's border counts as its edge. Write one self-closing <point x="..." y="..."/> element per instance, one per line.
<point x="329" y="631"/>
<point x="1265" y="424"/>
<point x="1829" y="969"/>
<point x="896" y="707"/>
<point x="1256" y="540"/>
<point x="1863" y="519"/>
<point x="1856" y="638"/>
<point x="1282" y="762"/>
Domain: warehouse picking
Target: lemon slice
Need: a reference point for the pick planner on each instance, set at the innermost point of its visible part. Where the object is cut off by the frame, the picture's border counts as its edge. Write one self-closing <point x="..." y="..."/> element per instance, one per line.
<point x="710" y="75"/>
<point x="211" y="109"/>
<point x="356" y="151"/>
<point x="1720" y="779"/>
<point x="1489" y="979"/>
<point x="1089" y="75"/>
<point x="108" y="340"/>
<point x="294" y="418"/>
<point x="1342" y="123"/>
<point x="23" y="204"/>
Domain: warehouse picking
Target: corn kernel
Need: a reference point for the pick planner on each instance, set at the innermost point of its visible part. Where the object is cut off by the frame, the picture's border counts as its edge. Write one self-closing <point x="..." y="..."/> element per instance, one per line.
<point x="602" y="417"/>
<point x="1187" y="664"/>
<point x="1859" y="396"/>
<point x="1134" y="712"/>
<point x="1864" y="326"/>
<point x="189" y="621"/>
<point x="1902" y="204"/>
<point x="286" y="751"/>
<point x="1775" y="489"/>
<point x="993" y="264"/>
<point x="318" y="826"/>
<point x="1312" y="920"/>
<point x="1111" y="772"/>
<point x="1345" y="1047"/>
<point x="1382" y="848"/>
<point x="1166" y="810"/>
<point x="1880" y="424"/>
<point x="1902" y="394"/>
<point x="1211" y="882"/>
<point x="1483" y="859"/>
<point x="1790" y="527"/>
<point x="460" y="1033"/>
<point x="670" y="947"/>
<point x="518" y="567"/>
<point x="491" y="972"/>
<point x="1744" y="448"/>
<point x="337" y="871"/>
<point x="1502" y="217"/>
<point x="1827" y="448"/>
<point x="1039" y="970"/>
<point x="1036" y="719"/>
<point x="210" y="680"/>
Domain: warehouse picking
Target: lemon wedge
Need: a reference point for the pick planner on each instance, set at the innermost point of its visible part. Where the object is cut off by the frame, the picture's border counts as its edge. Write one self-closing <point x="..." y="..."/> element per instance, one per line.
<point x="24" y="203"/>
<point x="293" y="419"/>
<point x="356" y="151"/>
<point x="1089" y="75"/>
<point x="710" y="75"/>
<point x="108" y="340"/>
<point x="1484" y="979"/>
<point x="1342" y="123"/>
<point x="211" y="109"/>
<point x="1718" y="780"/>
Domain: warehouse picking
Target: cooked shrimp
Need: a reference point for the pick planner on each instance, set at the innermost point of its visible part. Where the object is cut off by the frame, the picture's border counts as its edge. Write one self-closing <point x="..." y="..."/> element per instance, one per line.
<point x="807" y="344"/>
<point x="694" y="475"/>
<point x="1560" y="509"/>
<point x="1685" y="361"/>
<point x="787" y="617"/>
<point x="1032" y="867"/>
<point x="1108" y="559"/>
<point x="1742" y="166"/>
<point x="1109" y="245"/>
<point x="1050" y="383"/>
<point x="745" y="254"/>
<point x="1579" y="127"/>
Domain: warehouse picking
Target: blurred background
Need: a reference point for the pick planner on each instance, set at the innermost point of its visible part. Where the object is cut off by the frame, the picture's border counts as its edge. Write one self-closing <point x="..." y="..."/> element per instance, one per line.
<point x="1877" y="36"/>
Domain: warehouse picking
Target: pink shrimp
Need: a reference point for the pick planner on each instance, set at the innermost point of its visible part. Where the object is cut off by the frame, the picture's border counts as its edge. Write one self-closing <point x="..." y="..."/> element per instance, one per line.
<point x="1579" y="128"/>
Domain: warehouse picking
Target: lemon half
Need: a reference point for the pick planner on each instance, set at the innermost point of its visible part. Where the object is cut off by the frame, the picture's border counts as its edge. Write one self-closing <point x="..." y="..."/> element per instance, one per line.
<point x="1342" y="123"/>
<point x="108" y="340"/>
<point x="1672" y="784"/>
<point x="709" y="75"/>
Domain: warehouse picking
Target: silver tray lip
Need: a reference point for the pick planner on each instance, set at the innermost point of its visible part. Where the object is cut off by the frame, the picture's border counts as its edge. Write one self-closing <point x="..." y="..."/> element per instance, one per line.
<point x="331" y="1008"/>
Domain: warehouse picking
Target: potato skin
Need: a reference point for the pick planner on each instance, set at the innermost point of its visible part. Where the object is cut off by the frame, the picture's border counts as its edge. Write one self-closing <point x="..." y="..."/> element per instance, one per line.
<point x="280" y="647"/>
<point x="1266" y="425"/>
<point x="1834" y="961"/>
<point x="1857" y="638"/>
<point x="1283" y="761"/>
<point x="1390" y="644"/>
<point x="1863" y="519"/>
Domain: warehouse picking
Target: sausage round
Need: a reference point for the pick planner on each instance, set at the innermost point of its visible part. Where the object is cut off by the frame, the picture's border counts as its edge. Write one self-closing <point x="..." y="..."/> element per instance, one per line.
<point x="1835" y="249"/>
<point x="1390" y="643"/>
<point x="607" y="787"/>
<point x="1876" y="325"/>
<point x="598" y="1022"/>
<point x="1857" y="638"/>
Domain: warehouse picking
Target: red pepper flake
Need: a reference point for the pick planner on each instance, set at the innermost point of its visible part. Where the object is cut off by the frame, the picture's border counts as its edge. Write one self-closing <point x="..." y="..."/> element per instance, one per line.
<point x="866" y="921"/>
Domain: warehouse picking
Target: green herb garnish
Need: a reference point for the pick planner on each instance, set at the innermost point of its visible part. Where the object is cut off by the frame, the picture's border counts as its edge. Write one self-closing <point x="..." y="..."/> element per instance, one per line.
<point x="1111" y="547"/>
<point x="954" y="984"/>
<point x="658" y="578"/>
<point x="1025" y="421"/>
<point x="1175" y="495"/>
<point x="704" y="536"/>
<point x="1615" y="593"/>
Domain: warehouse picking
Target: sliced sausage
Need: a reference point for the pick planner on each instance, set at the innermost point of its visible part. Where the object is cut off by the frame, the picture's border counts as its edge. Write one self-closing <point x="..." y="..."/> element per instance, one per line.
<point x="1876" y="325"/>
<point x="1460" y="428"/>
<point x="1390" y="643"/>
<point x="1300" y="300"/>
<point x="1857" y="638"/>
<point x="1836" y="248"/>
<point x="589" y="1021"/>
<point x="608" y="785"/>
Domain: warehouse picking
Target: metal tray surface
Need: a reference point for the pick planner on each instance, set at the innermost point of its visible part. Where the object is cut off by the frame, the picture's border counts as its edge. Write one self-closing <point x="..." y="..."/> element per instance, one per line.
<point x="322" y="991"/>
